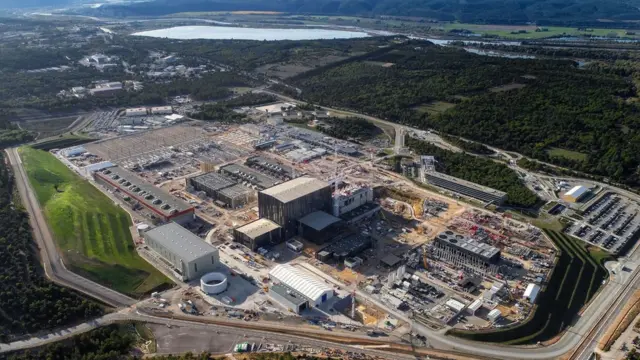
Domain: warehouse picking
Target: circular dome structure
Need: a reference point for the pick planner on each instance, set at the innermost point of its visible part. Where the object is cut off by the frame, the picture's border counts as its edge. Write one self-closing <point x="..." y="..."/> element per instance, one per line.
<point x="213" y="283"/>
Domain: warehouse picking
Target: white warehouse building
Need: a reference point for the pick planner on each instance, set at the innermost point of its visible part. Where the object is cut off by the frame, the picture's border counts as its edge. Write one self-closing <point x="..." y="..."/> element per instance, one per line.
<point x="307" y="290"/>
<point x="190" y="256"/>
<point x="162" y="110"/>
<point x="136" y="112"/>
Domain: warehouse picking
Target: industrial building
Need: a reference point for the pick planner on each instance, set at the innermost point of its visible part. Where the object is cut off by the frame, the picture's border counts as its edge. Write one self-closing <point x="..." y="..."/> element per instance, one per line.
<point x="350" y="198"/>
<point x="106" y="89"/>
<point x="271" y="167"/>
<point x="319" y="227"/>
<point x="302" y="285"/>
<point x="73" y="151"/>
<point x="464" y="187"/>
<point x="348" y="246"/>
<point x="164" y="206"/>
<point x="259" y="233"/>
<point x="284" y="204"/>
<point x="222" y="188"/>
<point x="190" y="256"/>
<point x="464" y="251"/>
<point x="249" y="176"/>
<point x="576" y="194"/>
<point x="290" y="299"/>
<point x="162" y="110"/>
<point x="136" y="112"/>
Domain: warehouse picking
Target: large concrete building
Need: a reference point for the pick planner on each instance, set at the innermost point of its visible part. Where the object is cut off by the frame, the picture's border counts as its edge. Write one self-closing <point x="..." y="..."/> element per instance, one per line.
<point x="259" y="233"/>
<point x="248" y="176"/>
<point x="313" y="291"/>
<point x="222" y="188"/>
<point x="288" y="202"/>
<point x="162" y="205"/>
<point x="319" y="227"/>
<point x="467" y="248"/>
<point x="190" y="256"/>
<point x="350" y="198"/>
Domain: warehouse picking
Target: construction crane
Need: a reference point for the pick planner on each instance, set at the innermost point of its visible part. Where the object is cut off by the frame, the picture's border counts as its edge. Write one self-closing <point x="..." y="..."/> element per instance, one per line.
<point x="424" y="260"/>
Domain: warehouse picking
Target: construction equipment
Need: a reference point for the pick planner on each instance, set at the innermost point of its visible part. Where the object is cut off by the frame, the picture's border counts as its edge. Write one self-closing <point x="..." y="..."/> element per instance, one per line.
<point x="424" y="260"/>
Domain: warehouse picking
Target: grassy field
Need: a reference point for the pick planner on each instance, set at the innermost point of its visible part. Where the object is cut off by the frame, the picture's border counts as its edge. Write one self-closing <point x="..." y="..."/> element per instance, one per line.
<point x="91" y="232"/>
<point x="568" y="154"/>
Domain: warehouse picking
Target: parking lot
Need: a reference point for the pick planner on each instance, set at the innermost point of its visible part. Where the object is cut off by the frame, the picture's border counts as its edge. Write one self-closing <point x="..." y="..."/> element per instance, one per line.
<point x="610" y="222"/>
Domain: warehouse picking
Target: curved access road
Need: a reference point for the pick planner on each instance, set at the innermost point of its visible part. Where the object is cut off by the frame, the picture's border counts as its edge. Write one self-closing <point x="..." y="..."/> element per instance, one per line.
<point x="52" y="262"/>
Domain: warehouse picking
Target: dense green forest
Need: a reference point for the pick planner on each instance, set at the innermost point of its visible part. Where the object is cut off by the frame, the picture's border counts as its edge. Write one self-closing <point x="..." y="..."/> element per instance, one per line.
<point x="28" y="302"/>
<point x="105" y="343"/>
<point x="39" y="90"/>
<point x="478" y="170"/>
<point x="546" y="109"/>
<point x="349" y="128"/>
<point x="478" y="11"/>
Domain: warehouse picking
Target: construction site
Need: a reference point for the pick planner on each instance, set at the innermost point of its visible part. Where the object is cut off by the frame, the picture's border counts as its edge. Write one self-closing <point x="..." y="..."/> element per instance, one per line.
<point x="375" y="248"/>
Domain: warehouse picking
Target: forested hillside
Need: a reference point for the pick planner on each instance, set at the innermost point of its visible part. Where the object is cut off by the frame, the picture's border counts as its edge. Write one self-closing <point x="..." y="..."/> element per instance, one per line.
<point x="478" y="11"/>
<point x="550" y="110"/>
<point x="29" y="302"/>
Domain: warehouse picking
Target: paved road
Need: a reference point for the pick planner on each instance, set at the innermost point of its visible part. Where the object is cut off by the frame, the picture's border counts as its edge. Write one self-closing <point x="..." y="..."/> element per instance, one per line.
<point x="52" y="262"/>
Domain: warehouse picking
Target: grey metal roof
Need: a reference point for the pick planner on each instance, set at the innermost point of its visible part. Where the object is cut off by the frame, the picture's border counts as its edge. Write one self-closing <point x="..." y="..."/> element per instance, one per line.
<point x="181" y="242"/>
<point x="142" y="190"/>
<point x="319" y="220"/>
<point x="245" y="173"/>
<point x="259" y="227"/>
<point x="290" y="295"/>
<point x="295" y="188"/>
<point x="214" y="181"/>
<point x="462" y="242"/>
<point x="235" y="191"/>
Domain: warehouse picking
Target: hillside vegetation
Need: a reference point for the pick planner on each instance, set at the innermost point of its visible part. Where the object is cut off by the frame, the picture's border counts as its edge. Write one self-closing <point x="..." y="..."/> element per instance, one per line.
<point x="575" y="279"/>
<point x="546" y="109"/>
<point x="92" y="233"/>
<point x="479" y="11"/>
<point x="29" y="302"/>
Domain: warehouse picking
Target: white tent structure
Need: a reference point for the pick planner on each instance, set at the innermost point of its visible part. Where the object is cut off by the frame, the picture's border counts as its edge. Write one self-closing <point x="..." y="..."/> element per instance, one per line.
<point x="302" y="282"/>
<point x="531" y="293"/>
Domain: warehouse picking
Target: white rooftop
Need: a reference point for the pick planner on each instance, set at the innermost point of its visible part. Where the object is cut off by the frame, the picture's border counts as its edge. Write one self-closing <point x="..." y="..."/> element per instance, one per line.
<point x="455" y="305"/>
<point x="258" y="227"/>
<point x="300" y="281"/>
<point x="477" y="304"/>
<point x="531" y="292"/>
<point x="577" y="191"/>
<point x="295" y="188"/>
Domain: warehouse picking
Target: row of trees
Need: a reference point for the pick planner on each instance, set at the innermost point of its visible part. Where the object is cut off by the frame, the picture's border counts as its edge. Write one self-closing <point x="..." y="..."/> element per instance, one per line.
<point x="28" y="302"/>
<point x="478" y="170"/>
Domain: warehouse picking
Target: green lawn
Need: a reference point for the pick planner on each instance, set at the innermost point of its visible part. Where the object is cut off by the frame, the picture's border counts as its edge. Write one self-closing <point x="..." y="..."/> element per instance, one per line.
<point x="568" y="154"/>
<point x="91" y="232"/>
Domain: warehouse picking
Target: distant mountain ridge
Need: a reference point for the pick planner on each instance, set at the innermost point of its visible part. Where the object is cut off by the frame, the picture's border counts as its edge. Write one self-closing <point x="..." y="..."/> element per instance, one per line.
<point x="572" y="12"/>
<point x="21" y="4"/>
